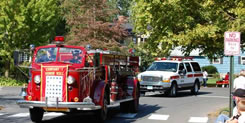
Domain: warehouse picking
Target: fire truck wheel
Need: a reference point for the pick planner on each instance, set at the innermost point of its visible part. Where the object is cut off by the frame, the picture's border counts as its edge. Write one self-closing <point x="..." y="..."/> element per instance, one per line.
<point x="173" y="90"/>
<point x="36" y="114"/>
<point x="101" y="114"/>
<point x="195" y="89"/>
<point x="124" y="106"/>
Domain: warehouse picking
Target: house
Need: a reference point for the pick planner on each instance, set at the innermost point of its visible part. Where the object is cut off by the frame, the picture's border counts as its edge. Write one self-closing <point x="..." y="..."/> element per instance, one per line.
<point x="222" y="64"/>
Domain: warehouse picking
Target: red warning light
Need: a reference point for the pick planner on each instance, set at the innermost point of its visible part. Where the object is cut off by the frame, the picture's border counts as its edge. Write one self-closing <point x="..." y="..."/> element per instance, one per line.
<point x="59" y="38"/>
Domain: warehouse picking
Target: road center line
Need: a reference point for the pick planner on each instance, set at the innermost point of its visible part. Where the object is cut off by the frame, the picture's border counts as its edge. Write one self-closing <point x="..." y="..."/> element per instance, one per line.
<point x="158" y="117"/>
<point x="198" y="120"/>
<point x="20" y="115"/>
<point x="54" y="114"/>
<point x="2" y="114"/>
<point x="224" y="97"/>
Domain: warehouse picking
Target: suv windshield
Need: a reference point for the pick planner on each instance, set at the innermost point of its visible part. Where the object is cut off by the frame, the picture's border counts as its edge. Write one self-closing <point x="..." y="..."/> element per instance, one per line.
<point x="68" y="55"/>
<point x="163" y="66"/>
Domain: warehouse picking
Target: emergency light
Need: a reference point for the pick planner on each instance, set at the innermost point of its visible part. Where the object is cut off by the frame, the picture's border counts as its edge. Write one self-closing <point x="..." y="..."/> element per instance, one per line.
<point x="59" y="40"/>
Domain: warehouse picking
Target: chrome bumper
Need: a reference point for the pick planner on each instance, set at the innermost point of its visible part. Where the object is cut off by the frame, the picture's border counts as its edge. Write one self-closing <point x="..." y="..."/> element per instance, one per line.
<point x="70" y="105"/>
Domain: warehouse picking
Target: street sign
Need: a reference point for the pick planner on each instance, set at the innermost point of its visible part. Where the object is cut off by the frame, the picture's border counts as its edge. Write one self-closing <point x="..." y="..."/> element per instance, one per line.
<point x="232" y="43"/>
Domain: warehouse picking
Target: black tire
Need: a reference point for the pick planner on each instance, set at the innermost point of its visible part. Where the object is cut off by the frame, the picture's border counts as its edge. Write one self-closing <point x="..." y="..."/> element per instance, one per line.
<point x="124" y="107"/>
<point x="173" y="90"/>
<point x="134" y="104"/>
<point x="36" y="114"/>
<point x="195" y="89"/>
<point x="101" y="114"/>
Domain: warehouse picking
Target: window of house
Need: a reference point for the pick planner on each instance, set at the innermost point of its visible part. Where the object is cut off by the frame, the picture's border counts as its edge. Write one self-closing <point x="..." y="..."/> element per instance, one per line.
<point x="243" y="60"/>
<point x="216" y="61"/>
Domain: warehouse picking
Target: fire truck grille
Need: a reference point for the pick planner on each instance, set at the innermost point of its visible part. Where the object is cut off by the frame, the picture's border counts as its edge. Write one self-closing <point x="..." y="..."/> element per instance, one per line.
<point x="151" y="78"/>
<point x="54" y="87"/>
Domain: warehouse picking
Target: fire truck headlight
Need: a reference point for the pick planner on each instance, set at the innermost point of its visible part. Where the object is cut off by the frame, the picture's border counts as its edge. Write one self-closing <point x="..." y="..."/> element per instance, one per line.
<point x="37" y="79"/>
<point x="70" y="80"/>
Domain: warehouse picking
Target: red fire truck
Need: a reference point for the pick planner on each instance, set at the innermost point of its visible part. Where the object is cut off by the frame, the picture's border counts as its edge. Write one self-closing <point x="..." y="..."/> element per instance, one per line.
<point x="65" y="78"/>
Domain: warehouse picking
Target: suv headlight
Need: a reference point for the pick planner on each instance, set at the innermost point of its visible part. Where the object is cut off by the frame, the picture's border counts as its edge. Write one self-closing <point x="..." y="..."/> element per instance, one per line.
<point x="70" y="80"/>
<point x="37" y="79"/>
<point x="139" y="78"/>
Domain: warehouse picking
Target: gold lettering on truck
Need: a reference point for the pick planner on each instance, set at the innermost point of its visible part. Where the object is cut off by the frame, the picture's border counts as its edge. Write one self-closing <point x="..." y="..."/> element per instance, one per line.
<point x="59" y="73"/>
<point x="52" y="69"/>
<point x="49" y="73"/>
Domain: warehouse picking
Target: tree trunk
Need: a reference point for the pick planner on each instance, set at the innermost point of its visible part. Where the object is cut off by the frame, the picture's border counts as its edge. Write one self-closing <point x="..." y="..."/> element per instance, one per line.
<point x="7" y="68"/>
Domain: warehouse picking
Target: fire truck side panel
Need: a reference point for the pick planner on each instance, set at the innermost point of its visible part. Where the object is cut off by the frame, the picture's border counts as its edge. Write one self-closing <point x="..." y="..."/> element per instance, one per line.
<point x="132" y="84"/>
<point x="99" y="92"/>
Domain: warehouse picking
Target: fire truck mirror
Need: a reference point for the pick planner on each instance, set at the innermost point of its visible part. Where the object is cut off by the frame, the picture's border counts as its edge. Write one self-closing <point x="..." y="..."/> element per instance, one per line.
<point x="96" y="59"/>
<point x="21" y="58"/>
<point x="16" y="60"/>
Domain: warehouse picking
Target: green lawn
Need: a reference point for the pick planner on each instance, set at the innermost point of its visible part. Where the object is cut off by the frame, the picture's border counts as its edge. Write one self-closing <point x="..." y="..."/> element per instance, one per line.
<point x="212" y="80"/>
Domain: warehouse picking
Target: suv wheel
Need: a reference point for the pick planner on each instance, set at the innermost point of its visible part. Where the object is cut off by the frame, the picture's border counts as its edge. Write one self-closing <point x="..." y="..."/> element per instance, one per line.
<point x="173" y="90"/>
<point x="195" y="89"/>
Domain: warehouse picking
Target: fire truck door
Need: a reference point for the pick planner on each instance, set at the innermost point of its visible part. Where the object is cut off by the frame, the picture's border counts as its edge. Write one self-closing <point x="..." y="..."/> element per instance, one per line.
<point x="182" y="73"/>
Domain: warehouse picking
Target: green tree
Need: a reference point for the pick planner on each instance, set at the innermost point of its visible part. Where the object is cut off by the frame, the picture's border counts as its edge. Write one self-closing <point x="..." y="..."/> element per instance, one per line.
<point x="25" y="22"/>
<point x="190" y="24"/>
<point x="124" y="7"/>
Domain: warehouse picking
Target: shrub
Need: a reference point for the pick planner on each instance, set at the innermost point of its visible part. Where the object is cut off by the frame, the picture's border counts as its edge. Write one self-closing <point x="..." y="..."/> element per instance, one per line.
<point x="210" y="69"/>
<point x="10" y="82"/>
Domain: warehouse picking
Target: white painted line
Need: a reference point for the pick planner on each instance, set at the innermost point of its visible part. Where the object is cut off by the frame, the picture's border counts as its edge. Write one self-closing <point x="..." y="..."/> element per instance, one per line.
<point x="128" y="115"/>
<point x="198" y="120"/>
<point x="2" y="114"/>
<point x="54" y="114"/>
<point x="158" y="117"/>
<point x="20" y="115"/>
<point x="224" y="97"/>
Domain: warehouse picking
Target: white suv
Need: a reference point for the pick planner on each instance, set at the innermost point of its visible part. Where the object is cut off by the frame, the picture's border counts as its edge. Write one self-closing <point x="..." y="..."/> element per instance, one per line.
<point x="171" y="75"/>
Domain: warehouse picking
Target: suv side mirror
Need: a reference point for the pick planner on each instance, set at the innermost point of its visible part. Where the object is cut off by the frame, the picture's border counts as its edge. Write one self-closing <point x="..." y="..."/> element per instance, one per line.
<point x="182" y="72"/>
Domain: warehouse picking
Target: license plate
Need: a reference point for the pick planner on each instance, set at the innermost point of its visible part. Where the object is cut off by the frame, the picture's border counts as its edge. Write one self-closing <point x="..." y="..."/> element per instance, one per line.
<point x="149" y="87"/>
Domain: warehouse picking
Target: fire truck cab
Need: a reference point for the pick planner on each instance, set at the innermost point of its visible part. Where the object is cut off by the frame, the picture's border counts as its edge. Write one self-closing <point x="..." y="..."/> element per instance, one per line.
<point x="169" y="75"/>
<point x="65" y="78"/>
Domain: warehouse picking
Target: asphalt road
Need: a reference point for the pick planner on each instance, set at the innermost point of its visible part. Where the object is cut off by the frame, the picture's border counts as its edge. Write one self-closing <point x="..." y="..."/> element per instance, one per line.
<point x="154" y="108"/>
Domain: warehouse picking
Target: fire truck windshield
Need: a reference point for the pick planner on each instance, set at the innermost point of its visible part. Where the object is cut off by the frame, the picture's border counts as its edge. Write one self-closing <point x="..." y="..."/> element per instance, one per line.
<point x="46" y="55"/>
<point x="163" y="66"/>
<point x="67" y="55"/>
<point x="70" y="55"/>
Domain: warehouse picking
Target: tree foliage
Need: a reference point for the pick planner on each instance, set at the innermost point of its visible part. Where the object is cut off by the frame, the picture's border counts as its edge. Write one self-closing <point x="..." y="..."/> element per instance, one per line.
<point x="25" y="22"/>
<point x="190" y="24"/>
<point x="90" y="23"/>
<point x="124" y="7"/>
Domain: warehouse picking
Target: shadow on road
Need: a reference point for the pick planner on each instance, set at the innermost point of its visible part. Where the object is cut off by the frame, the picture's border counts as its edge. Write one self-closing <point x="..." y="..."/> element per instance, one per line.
<point x="180" y="94"/>
<point x="112" y="116"/>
